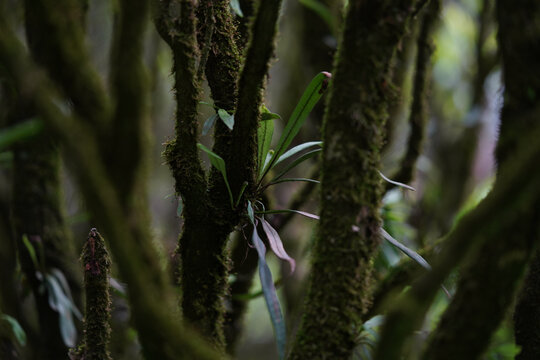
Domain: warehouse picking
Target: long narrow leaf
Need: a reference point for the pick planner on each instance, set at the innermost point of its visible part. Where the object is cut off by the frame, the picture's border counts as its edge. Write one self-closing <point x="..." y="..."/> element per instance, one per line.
<point x="251" y="214"/>
<point x="67" y="291"/>
<point x="59" y="302"/>
<point x="397" y="183"/>
<point x="295" y="150"/>
<point x="294" y="179"/>
<point x="18" y="132"/>
<point x="218" y="162"/>
<point x="277" y="245"/>
<point x="16" y="328"/>
<point x="31" y="251"/>
<point x="301" y="159"/>
<point x="311" y="96"/>
<point x="281" y="211"/>
<point x="270" y="295"/>
<point x="410" y="253"/>
<point x="209" y="124"/>
<point x="264" y="139"/>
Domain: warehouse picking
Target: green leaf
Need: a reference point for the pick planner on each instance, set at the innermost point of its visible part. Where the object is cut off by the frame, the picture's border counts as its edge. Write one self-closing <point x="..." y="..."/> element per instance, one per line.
<point x="301" y="159"/>
<point x="270" y="295"/>
<point x="18" y="132"/>
<point x="16" y="328"/>
<point x="235" y="6"/>
<point x="218" y="162"/>
<point x="281" y="211"/>
<point x="31" y="251"/>
<point x="295" y="150"/>
<point x="251" y="214"/>
<point x="206" y="103"/>
<point x="308" y="100"/>
<point x="227" y="118"/>
<point x="209" y="124"/>
<point x="410" y="253"/>
<point x="242" y="189"/>
<point x="294" y="179"/>
<point x="264" y="139"/>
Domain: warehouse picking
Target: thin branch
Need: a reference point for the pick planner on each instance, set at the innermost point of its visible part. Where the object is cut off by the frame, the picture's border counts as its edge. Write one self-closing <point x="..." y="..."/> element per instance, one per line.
<point x="181" y="153"/>
<point x="251" y="85"/>
<point x="129" y="84"/>
<point x="162" y="336"/>
<point x="418" y="114"/>
<point x="56" y="39"/>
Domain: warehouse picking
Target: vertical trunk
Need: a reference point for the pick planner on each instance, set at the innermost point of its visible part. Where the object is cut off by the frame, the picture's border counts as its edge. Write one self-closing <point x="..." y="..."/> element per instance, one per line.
<point x="353" y="133"/>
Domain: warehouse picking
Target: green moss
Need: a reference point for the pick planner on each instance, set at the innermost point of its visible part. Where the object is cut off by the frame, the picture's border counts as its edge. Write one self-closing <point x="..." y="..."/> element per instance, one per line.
<point x="97" y="267"/>
<point x="351" y="189"/>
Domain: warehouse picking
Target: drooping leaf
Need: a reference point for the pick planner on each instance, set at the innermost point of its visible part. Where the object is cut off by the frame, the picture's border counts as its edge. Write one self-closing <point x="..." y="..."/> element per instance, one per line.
<point x="308" y="100"/>
<point x="16" y="328"/>
<point x="235" y="6"/>
<point x="294" y="179"/>
<point x="67" y="329"/>
<point x="264" y="139"/>
<point x="276" y="244"/>
<point x="59" y="302"/>
<point x="295" y="150"/>
<point x="209" y="124"/>
<point x="270" y="295"/>
<point x="67" y="291"/>
<point x="227" y="118"/>
<point x="218" y="162"/>
<point x="410" y="253"/>
<point x="397" y="183"/>
<point x="19" y="132"/>
<point x="281" y="211"/>
<point x="251" y="214"/>
<point x="300" y="160"/>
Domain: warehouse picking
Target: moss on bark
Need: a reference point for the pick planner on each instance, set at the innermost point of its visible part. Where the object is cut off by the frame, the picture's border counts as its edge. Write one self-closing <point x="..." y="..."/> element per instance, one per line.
<point x="353" y="133"/>
<point x="496" y="268"/>
<point x="161" y="334"/>
<point x="97" y="268"/>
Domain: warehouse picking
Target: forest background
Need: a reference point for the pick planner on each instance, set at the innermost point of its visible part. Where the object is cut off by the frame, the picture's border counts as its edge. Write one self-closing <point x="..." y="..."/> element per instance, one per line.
<point x="107" y="107"/>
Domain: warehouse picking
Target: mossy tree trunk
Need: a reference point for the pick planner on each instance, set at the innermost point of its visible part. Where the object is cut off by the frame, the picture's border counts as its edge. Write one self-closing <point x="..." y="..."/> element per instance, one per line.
<point x="496" y="239"/>
<point x="353" y="134"/>
<point x="208" y="214"/>
<point x="120" y="211"/>
<point x="496" y="268"/>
